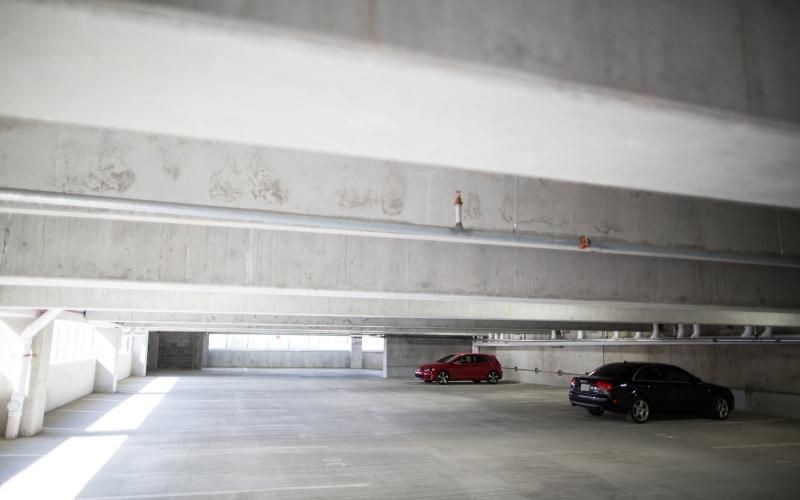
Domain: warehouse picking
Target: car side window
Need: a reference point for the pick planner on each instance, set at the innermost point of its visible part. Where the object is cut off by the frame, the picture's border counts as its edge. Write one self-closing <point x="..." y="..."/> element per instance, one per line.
<point x="650" y="373"/>
<point x="481" y="359"/>
<point x="674" y="374"/>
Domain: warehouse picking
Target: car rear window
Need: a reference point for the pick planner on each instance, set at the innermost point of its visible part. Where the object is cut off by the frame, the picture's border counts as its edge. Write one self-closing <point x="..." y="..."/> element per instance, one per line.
<point x="615" y="370"/>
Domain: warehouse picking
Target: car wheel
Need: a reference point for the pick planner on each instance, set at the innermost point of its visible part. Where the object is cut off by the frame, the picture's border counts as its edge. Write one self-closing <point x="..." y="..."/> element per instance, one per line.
<point x="720" y="408"/>
<point x="493" y="377"/>
<point x="595" y="411"/>
<point x="640" y="410"/>
<point x="443" y="378"/>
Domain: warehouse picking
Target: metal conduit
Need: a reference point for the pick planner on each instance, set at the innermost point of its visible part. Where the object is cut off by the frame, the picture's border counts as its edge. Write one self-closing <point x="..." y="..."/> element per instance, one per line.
<point x="783" y="339"/>
<point x="54" y="204"/>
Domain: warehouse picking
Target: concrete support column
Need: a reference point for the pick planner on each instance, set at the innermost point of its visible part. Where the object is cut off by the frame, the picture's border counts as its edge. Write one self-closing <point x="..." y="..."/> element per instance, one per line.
<point x="695" y="331"/>
<point x="404" y="353"/>
<point x="203" y="352"/>
<point x="33" y="410"/>
<point x="680" y="332"/>
<point x="356" y="354"/>
<point x="107" y="344"/>
<point x="139" y="357"/>
<point x="152" y="352"/>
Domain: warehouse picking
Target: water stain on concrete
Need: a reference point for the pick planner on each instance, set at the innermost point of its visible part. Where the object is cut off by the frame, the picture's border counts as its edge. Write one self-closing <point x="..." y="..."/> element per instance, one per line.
<point x="110" y="172"/>
<point x="394" y="194"/>
<point x="352" y="198"/>
<point x="7" y="125"/>
<point x="225" y="183"/>
<point x="172" y="169"/>
<point x="472" y="206"/>
<point x="607" y="228"/>
<point x="264" y="185"/>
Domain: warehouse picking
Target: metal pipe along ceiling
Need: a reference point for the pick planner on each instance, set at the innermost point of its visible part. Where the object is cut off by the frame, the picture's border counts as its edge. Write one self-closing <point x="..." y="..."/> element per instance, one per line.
<point x="73" y="205"/>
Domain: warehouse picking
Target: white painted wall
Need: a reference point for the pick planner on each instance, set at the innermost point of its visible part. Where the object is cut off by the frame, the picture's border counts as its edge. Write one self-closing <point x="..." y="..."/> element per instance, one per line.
<point x="124" y="365"/>
<point x="68" y="381"/>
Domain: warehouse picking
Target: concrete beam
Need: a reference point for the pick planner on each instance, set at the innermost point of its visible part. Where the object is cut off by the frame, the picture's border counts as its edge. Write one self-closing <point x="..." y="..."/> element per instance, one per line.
<point x="613" y="45"/>
<point x="227" y="300"/>
<point x="286" y="91"/>
<point x="194" y="258"/>
<point x="127" y="175"/>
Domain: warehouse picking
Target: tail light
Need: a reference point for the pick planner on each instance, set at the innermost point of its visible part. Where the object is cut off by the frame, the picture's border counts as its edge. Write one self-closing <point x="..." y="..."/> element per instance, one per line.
<point x="574" y="381"/>
<point x="604" y="386"/>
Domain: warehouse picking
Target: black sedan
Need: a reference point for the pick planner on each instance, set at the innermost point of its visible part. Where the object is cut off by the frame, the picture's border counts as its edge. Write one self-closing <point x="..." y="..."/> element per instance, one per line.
<point x="641" y="389"/>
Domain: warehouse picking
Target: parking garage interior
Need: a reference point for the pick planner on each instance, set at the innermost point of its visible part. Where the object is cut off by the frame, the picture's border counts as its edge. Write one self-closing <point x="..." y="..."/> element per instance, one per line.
<point x="232" y="230"/>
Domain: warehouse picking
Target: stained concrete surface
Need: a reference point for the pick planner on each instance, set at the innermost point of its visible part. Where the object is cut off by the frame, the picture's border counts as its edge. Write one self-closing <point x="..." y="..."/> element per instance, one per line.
<point x="288" y="434"/>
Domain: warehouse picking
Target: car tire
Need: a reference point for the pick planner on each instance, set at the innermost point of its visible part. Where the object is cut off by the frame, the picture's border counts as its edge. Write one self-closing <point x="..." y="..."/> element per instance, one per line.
<point x="493" y="377"/>
<point x="640" y="410"/>
<point x="720" y="409"/>
<point x="443" y="378"/>
<point x="595" y="411"/>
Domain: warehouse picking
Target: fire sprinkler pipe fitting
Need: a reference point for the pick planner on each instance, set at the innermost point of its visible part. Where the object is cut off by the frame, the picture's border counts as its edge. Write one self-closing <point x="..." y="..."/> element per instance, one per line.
<point x="457" y="204"/>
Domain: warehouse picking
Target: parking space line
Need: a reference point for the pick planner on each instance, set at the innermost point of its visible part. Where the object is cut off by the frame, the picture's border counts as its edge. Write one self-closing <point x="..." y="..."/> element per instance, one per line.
<point x="232" y="492"/>
<point x="763" y="445"/>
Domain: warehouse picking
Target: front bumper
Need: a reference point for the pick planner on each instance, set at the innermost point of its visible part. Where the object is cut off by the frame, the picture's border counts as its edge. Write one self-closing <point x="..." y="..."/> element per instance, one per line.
<point x="427" y="376"/>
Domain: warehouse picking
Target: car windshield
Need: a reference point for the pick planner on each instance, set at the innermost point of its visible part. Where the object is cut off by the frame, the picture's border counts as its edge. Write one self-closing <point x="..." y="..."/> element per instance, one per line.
<point x="615" y="370"/>
<point x="446" y="359"/>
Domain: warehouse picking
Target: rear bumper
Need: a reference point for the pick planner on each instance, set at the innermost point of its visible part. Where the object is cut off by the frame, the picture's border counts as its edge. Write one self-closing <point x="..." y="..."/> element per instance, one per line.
<point x="603" y="402"/>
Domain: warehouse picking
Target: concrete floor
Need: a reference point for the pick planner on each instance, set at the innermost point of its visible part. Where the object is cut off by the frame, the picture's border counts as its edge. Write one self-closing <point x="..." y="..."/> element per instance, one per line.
<point x="299" y="434"/>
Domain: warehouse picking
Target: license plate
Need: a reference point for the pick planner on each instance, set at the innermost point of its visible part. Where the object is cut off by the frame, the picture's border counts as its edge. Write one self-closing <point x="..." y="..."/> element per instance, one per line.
<point x="585" y="387"/>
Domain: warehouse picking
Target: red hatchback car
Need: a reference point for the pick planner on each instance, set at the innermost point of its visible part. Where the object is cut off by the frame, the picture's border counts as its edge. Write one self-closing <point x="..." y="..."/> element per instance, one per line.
<point x="464" y="366"/>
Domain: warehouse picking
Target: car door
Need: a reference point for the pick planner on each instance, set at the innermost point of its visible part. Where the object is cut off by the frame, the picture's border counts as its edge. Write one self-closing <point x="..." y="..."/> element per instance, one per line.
<point x="481" y="366"/>
<point x="651" y="383"/>
<point x="690" y="395"/>
<point x="460" y="368"/>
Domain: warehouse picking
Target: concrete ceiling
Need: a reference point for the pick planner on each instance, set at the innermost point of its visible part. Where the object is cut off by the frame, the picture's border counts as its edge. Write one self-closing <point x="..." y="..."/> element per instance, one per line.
<point x="89" y="64"/>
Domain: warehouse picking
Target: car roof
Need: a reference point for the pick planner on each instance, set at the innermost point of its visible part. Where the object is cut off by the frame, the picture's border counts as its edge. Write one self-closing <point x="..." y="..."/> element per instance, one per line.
<point x="639" y="364"/>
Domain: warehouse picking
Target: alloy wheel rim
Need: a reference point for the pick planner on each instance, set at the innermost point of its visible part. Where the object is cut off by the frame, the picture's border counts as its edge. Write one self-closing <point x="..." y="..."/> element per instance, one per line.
<point x="722" y="408"/>
<point x="640" y="410"/>
<point x="493" y="378"/>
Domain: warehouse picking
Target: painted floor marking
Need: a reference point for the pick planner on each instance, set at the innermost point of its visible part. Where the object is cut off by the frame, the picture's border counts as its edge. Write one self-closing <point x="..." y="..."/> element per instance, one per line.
<point x="233" y="492"/>
<point x="763" y="445"/>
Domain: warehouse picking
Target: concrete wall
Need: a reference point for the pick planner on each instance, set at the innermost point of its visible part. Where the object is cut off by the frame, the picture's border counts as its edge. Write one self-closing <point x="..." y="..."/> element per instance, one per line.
<point x="403" y="354"/>
<point x="68" y="381"/>
<point x="372" y="360"/>
<point x="124" y="365"/>
<point x="278" y="359"/>
<point x="765" y="377"/>
<point x="181" y="351"/>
